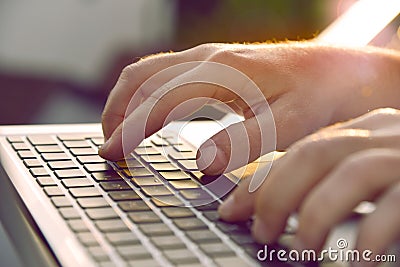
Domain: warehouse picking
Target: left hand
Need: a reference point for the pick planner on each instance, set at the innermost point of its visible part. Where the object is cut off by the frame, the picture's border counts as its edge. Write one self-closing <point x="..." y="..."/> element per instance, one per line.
<point x="324" y="177"/>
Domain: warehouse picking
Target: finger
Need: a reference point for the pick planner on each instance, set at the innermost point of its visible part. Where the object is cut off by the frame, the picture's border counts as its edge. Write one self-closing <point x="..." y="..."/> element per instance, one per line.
<point x="151" y="116"/>
<point x="135" y="75"/>
<point x="208" y="81"/>
<point x="239" y="205"/>
<point x="237" y="145"/>
<point x="361" y="176"/>
<point x="386" y="216"/>
<point x="379" y="119"/>
<point x="255" y="137"/>
<point x="286" y="186"/>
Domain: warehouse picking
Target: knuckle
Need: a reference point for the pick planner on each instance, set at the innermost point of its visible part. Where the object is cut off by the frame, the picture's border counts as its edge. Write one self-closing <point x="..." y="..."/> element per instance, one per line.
<point x="312" y="213"/>
<point x="311" y="149"/>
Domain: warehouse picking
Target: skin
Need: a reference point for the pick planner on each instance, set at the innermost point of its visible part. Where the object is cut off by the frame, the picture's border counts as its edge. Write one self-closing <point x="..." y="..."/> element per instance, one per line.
<point x="308" y="87"/>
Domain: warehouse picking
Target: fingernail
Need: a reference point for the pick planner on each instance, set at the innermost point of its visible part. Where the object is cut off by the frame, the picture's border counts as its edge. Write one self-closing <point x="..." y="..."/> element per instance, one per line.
<point x="260" y="232"/>
<point x="103" y="149"/>
<point x="211" y="158"/>
<point x="225" y="209"/>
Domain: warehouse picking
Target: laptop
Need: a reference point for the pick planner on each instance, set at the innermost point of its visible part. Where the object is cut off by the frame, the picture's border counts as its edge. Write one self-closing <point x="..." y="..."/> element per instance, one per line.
<point x="63" y="205"/>
<point x="154" y="208"/>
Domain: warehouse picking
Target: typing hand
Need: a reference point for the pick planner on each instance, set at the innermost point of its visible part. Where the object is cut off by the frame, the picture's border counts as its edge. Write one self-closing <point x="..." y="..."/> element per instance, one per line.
<point x="324" y="177"/>
<point x="307" y="86"/>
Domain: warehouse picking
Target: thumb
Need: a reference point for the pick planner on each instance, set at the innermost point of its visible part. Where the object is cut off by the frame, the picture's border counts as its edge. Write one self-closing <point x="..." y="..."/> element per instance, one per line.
<point x="237" y="145"/>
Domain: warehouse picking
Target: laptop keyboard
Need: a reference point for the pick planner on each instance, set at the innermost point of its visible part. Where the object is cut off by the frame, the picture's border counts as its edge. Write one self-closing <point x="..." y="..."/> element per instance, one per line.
<point x="152" y="209"/>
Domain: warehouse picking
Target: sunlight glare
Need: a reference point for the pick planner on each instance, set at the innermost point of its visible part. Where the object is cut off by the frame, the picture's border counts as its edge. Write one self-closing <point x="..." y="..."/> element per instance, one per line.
<point x="360" y="23"/>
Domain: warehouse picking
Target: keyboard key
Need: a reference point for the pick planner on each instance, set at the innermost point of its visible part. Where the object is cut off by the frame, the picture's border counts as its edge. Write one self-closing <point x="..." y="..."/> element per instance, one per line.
<point x="90" y="159"/>
<point x="202" y="236"/>
<point x="98" y="167"/>
<point x="129" y="163"/>
<point x="30" y="163"/>
<point x="180" y="256"/>
<point x="174" y="175"/>
<point x="76" y="182"/>
<point x="145" y="143"/>
<point x="106" y="176"/>
<point x="209" y="206"/>
<point x="154" y="158"/>
<point x="155" y="229"/>
<point x="164" y="167"/>
<point x="55" y="156"/>
<point x="177" y="212"/>
<point x="145" y="263"/>
<point x="123" y="195"/>
<point x="101" y="213"/>
<point x="42" y="140"/>
<point x="167" y="201"/>
<point x="72" y="137"/>
<point x="92" y="202"/>
<point x="137" y="172"/>
<point x="52" y="191"/>
<point x="45" y="181"/>
<point x="111" y="225"/>
<point x="211" y="215"/>
<point x="135" y="205"/>
<point x="122" y="238"/>
<point x="83" y="151"/>
<point x="133" y="252"/>
<point x="156" y="190"/>
<point x="182" y="155"/>
<point x="147" y="151"/>
<point x="49" y="149"/>
<point x="69" y="173"/>
<point x="188" y="164"/>
<point x="115" y="185"/>
<point x="61" y="201"/>
<point x="184" y="184"/>
<point x="85" y="192"/>
<point x="40" y="171"/>
<point x="216" y="249"/>
<point x="158" y="141"/>
<point x="78" y="225"/>
<point x="98" y="253"/>
<point x="183" y="148"/>
<point x="144" y="217"/>
<point x="241" y="239"/>
<point x="229" y="228"/>
<point x="69" y="213"/>
<point x="167" y="242"/>
<point x="88" y="239"/>
<point x="146" y="181"/>
<point x="195" y="194"/>
<point x="15" y="139"/>
<point x="77" y="144"/>
<point x="26" y="154"/>
<point x="98" y="141"/>
<point x="20" y="146"/>
<point x="64" y="164"/>
<point x="189" y="223"/>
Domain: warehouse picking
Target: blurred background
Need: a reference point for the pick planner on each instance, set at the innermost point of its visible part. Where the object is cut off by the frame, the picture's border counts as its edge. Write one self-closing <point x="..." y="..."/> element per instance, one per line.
<point x="60" y="59"/>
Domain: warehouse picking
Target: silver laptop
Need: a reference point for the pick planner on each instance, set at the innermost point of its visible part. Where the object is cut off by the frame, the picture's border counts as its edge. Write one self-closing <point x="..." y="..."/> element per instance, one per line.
<point x="67" y="206"/>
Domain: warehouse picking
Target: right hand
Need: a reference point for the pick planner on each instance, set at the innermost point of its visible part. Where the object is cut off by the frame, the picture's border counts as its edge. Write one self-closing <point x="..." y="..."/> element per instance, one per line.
<point x="307" y="85"/>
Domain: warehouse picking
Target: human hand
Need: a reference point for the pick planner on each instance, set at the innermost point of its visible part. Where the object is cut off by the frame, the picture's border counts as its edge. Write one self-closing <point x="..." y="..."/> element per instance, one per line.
<point x="308" y="86"/>
<point x="324" y="177"/>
